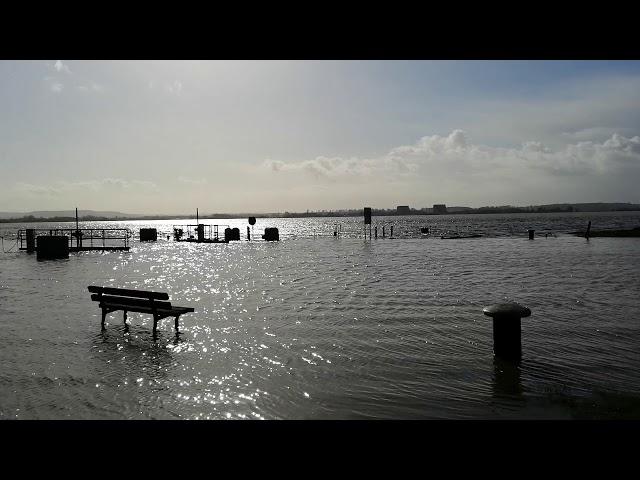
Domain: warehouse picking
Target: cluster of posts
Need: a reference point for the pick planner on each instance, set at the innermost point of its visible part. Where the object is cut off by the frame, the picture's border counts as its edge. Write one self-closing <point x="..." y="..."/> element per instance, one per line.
<point x="367" y="221"/>
<point x="271" y="234"/>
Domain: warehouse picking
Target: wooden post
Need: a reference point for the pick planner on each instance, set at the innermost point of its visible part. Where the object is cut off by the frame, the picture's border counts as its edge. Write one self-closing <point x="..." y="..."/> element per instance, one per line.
<point x="588" y="229"/>
<point x="176" y="323"/>
<point x="124" y="317"/>
<point x="383" y="231"/>
<point x="104" y="314"/>
<point x="376" y="231"/>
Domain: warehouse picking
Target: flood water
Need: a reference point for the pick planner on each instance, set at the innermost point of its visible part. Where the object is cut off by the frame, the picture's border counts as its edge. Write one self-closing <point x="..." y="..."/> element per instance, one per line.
<point x="324" y="327"/>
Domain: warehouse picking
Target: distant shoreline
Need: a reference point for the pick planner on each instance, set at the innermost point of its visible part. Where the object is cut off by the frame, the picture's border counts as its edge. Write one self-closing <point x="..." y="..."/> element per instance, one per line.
<point x="349" y="213"/>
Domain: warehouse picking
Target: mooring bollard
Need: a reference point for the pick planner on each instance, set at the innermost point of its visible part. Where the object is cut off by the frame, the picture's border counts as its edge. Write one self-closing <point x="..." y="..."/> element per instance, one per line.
<point x="52" y="246"/>
<point x="507" y="337"/>
<point x="148" y="234"/>
<point x="531" y="232"/>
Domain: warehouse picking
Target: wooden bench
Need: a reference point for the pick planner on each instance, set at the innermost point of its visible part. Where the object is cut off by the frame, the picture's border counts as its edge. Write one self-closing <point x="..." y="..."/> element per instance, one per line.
<point x="112" y="299"/>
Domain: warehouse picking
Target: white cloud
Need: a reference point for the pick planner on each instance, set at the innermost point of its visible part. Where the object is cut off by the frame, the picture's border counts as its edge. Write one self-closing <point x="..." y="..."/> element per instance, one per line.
<point x="453" y="155"/>
<point x="93" y="87"/>
<point x="106" y="184"/>
<point x="57" y="87"/>
<point x="192" y="181"/>
<point x="61" y="67"/>
<point x="175" y="87"/>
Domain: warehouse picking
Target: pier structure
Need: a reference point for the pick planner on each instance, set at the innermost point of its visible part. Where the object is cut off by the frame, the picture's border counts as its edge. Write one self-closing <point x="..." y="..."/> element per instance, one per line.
<point x="78" y="239"/>
<point x="199" y="233"/>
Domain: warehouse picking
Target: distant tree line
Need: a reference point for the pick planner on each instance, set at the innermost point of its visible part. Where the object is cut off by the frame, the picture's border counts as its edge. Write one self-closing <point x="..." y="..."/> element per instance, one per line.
<point x="583" y="207"/>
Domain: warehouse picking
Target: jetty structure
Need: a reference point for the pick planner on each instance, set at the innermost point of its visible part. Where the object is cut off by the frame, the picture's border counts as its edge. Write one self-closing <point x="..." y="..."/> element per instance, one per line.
<point x="201" y="233"/>
<point x="58" y="242"/>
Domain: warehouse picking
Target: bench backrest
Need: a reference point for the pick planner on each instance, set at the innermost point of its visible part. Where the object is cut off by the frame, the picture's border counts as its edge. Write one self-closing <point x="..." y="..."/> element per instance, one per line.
<point x="125" y="292"/>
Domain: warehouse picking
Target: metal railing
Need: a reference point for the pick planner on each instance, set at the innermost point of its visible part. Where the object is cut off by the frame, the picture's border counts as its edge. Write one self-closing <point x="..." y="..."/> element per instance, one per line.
<point x="190" y="232"/>
<point x="96" y="237"/>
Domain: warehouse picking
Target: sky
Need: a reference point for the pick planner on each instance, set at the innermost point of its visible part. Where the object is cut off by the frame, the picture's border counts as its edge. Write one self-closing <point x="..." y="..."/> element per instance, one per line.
<point x="156" y="137"/>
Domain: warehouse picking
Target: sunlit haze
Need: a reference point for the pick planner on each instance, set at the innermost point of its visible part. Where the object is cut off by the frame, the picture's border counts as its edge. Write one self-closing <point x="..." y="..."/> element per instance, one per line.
<point x="156" y="137"/>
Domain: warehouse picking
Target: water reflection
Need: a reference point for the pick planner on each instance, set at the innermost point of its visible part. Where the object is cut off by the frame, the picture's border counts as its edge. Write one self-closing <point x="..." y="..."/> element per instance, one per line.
<point x="506" y="379"/>
<point x="135" y="351"/>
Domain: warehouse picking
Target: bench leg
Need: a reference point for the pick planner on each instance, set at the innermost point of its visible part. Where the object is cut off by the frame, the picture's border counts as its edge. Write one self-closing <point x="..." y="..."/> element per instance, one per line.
<point x="124" y="317"/>
<point x="155" y="324"/>
<point x="104" y="314"/>
<point x="177" y="317"/>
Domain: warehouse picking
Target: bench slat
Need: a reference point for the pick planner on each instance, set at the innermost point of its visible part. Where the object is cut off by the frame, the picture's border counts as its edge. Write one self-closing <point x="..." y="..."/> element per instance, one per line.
<point x="134" y="302"/>
<point x="142" y="309"/>
<point x="125" y="292"/>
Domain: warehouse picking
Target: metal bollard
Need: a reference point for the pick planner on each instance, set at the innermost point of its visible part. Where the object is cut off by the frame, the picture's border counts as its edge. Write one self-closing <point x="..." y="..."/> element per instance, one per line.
<point x="507" y="337"/>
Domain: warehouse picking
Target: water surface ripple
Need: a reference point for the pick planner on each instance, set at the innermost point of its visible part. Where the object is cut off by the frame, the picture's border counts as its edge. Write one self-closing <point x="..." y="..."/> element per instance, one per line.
<point x="324" y="327"/>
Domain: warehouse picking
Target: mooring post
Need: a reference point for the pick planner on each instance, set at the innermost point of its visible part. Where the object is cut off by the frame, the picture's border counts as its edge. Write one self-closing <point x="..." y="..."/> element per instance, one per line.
<point x="376" y="230"/>
<point x="391" y="231"/>
<point x="531" y="233"/>
<point x="588" y="229"/>
<point x="507" y="336"/>
<point x="383" y="231"/>
<point x="248" y="234"/>
<point x="31" y="240"/>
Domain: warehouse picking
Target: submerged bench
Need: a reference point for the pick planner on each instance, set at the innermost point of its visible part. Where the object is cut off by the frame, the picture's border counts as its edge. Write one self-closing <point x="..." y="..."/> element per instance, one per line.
<point x="113" y="299"/>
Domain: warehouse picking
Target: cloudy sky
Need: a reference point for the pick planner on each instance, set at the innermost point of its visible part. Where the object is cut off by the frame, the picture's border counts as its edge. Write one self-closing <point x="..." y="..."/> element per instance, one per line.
<point x="266" y="136"/>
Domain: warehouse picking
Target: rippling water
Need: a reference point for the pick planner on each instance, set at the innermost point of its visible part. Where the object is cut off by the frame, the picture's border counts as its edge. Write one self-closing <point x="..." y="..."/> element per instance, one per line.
<point x="322" y="327"/>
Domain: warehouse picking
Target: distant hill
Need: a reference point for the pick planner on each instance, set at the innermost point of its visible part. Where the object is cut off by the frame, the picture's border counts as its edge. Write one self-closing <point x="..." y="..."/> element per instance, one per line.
<point x="68" y="213"/>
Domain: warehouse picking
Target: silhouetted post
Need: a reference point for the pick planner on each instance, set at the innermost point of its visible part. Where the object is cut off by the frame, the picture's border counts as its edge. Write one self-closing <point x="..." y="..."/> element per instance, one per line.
<point x="383" y="231"/>
<point x="31" y="240"/>
<point x="531" y="232"/>
<point x="507" y="342"/>
<point x="588" y="229"/>
<point x="367" y="221"/>
<point x="148" y="234"/>
<point x="391" y="231"/>
<point x="376" y="231"/>
<point x="248" y="234"/>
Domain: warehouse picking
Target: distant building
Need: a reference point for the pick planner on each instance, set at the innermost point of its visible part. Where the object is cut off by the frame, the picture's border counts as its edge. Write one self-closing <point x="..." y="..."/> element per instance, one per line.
<point x="440" y="209"/>
<point x="403" y="210"/>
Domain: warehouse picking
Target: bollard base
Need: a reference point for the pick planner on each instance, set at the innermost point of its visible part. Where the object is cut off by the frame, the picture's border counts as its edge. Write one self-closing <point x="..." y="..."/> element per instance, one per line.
<point x="507" y="338"/>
